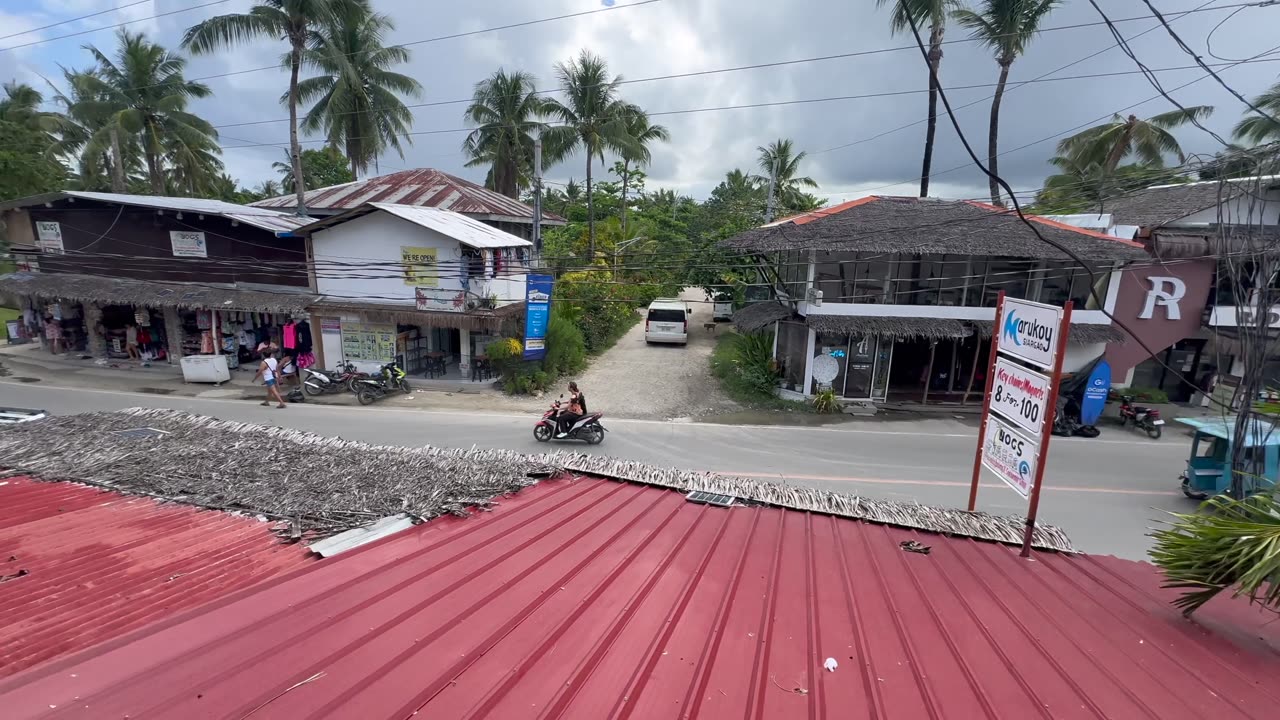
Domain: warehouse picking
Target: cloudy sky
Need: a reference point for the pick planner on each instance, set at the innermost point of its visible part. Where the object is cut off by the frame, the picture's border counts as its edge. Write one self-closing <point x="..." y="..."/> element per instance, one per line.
<point x="856" y="145"/>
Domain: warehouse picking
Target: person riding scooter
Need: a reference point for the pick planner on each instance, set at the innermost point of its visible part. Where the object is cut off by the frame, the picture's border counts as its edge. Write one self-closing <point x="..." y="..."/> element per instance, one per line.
<point x="577" y="408"/>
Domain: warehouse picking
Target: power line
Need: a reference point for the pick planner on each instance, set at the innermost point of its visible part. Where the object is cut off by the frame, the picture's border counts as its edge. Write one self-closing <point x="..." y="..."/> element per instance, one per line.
<point x="112" y="27"/>
<point x="74" y="19"/>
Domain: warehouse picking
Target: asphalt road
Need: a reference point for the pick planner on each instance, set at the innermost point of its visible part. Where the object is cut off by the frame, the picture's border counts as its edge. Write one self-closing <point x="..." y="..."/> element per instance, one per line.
<point x="1105" y="492"/>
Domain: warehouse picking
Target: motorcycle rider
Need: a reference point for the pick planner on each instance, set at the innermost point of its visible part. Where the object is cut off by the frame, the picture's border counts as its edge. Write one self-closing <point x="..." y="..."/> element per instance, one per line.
<point x="576" y="410"/>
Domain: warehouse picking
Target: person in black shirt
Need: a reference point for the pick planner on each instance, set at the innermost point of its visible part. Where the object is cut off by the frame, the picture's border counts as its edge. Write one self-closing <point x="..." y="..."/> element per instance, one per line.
<point x="573" y="411"/>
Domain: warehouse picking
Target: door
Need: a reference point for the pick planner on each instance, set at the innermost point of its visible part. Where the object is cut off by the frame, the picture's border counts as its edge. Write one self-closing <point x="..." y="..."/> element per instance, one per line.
<point x="884" y="362"/>
<point x="861" y="366"/>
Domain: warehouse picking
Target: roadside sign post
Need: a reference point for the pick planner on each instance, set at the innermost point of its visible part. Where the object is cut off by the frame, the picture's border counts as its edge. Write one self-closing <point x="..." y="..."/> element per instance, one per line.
<point x="1019" y="404"/>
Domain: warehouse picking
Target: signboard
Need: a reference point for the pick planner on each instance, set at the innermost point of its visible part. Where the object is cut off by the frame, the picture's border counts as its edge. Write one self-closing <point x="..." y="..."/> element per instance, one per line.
<point x="23" y="262"/>
<point x="1008" y="454"/>
<point x="440" y="300"/>
<point x="537" y="311"/>
<point x="374" y="342"/>
<point x="420" y="266"/>
<point x="1020" y="395"/>
<point x="1028" y="331"/>
<point x="825" y="369"/>
<point x="49" y="237"/>
<point x="1095" y="393"/>
<point x="188" y="243"/>
<point x="330" y="325"/>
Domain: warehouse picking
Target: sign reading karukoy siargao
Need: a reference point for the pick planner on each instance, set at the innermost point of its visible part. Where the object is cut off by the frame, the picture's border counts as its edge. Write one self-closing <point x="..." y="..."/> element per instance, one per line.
<point x="537" y="312"/>
<point x="1028" y="331"/>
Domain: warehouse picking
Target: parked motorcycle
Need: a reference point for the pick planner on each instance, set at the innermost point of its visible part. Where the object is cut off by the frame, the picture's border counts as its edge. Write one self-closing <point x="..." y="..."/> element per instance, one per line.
<point x="391" y="379"/>
<point x="321" y="382"/>
<point x="1142" y="417"/>
<point x="587" y="428"/>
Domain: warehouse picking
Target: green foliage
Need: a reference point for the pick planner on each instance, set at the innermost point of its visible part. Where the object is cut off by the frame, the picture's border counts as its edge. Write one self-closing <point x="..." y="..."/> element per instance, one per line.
<point x="320" y="168"/>
<point x="566" y="347"/>
<point x="25" y="168"/>
<point x="825" y="403"/>
<point x="604" y="311"/>
<point x="506" y="111"/>
<point x="1227" y="544"/>
<point x="745" y="367"/>
<point x="1141" y="394"/>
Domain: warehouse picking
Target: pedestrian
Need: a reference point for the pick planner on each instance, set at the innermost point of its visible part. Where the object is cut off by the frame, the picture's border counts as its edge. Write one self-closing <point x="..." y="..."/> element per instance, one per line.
<point x="268" y="372"/>
<point x="53" y="334"/>
<point x="131" y="341"/>
<point x="288" y="371"/>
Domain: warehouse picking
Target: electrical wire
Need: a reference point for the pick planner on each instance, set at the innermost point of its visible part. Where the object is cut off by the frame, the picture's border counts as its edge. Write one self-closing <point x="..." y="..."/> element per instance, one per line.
<point x="113" y="27"/>
<point x="74" y="19"/>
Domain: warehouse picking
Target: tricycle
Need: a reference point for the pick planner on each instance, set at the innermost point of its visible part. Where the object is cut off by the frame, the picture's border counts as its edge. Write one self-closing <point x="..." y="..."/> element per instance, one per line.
<point x="1209" y="467"/>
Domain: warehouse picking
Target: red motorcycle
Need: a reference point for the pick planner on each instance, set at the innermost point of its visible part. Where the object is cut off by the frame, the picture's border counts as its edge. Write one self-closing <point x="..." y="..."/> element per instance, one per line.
<point x="1143" y="418"/>
<point x="587" y="427"/>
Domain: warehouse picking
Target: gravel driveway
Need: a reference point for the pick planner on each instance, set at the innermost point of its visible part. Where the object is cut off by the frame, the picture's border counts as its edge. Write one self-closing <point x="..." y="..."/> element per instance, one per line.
<point x="658" y="382"/>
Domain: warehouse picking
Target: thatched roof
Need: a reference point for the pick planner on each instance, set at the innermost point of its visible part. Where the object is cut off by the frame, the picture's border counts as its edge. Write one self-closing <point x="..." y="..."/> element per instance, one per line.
<point x="1081" y="333"/>
<point x="149" y="293"/>
<point x="493" y="321"/>
<point x="761" y="315"/>
<point x="327" y="485"/>
<point x="901" y="328"/>
<point x="925" y="226"/>
<point x="1163" y="204"/>
<point x="1176" y="243"/>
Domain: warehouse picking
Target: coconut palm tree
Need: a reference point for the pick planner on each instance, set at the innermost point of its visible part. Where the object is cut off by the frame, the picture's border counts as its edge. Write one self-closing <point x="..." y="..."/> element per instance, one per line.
<point x="1256" y="129"/>
<point x="643" y="133"/>
<point x="507" y="112"/>
<point x="593" y="119"/>
<point x="89" y="138"/>
<point x="297" y="22"/>
<point x="1149" y="140"/>
<point x="780" y="160"/>
<point x="268" y="189"/>
<point x="934" y="13"/>
<point x="1005" y="27"/>
<point x="145" y="94"/>
<point x="357" y="97"/>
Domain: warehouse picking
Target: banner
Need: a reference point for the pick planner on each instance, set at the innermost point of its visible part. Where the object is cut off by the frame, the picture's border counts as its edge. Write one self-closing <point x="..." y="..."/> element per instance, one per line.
<point x="537" y="311"/>
<point x="49" y="237"/>
<point x="188" y="244"/>
<point x="440" y="299"/>
<point x="1095" y="393"/>
<point x="419" y="264"/>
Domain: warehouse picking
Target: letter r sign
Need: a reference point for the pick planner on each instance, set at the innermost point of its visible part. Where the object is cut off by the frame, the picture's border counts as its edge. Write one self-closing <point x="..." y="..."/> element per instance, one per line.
<point x="1166" y="291"/>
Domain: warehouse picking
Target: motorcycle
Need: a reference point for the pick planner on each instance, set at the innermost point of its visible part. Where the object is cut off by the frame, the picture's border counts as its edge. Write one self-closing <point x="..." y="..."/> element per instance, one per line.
<point x="1143" y="418"/>
<point x="372" y="389"/>
<point x="586" y="428"/>
<point x="320" y="382"/>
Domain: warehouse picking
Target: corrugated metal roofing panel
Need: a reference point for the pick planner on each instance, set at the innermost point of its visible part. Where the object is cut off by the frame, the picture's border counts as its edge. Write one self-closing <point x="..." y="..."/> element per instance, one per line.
<point x="591" y="599"/>
<point x="459" y="227"/>
<point x="424" y="187"/>
<point x="279" y="223"/>
<point x="99" y="564"/>
<point x="160" y="202"/>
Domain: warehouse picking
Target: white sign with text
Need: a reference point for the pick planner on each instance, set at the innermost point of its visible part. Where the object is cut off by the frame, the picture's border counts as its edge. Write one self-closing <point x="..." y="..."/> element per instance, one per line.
<point x="1007" y="453"/>
<point x="1029" y="331"/>
<point x="188" y="244"/>
<point x="49" y="237"/>
<point x="1020" y="395"/>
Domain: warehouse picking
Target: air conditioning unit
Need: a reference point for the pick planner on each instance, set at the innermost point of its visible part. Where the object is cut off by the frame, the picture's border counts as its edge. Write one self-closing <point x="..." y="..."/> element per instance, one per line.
<point x="813" y="296"/>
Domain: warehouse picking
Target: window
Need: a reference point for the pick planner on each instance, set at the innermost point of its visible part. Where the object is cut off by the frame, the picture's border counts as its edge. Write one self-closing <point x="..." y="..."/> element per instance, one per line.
<point x="1011" y="276"/>
<point x="1055" y="283"/>
<point x="973" y="296"/>
<point x="837" y="346"/>
<point x="793" y="341"/>
<point x="831" y="275"/>
<point x="871" y="278"/>
<point x="952" y="280"/>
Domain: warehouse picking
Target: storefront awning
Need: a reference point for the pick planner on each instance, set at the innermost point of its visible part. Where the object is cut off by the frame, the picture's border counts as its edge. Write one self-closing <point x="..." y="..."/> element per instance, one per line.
<point x="493" y="321"/>
<point x="144" y="293"/>
<point x="899" y="328"/>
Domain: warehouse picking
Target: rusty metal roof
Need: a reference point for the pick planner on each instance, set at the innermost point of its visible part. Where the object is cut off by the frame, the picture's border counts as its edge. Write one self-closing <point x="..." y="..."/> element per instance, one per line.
<point x="79" y="566"/>
<point x="425" y="187"/>
<point x="589" y="599"/>
<point x="273" y="221"/>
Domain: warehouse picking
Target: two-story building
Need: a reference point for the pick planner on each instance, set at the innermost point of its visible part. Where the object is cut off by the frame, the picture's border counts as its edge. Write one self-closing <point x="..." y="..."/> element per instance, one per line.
<point x="182" y="276"/>
<point x="427" y="287"/>
<point x="901" y="292"/>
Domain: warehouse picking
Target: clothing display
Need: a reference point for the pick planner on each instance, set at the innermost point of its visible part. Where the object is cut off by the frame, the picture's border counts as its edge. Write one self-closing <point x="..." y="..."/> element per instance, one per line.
<point x="290" y="336"/>
<point x="204" y="319"/>
<point x="142" y="317"/>
<point x="303" y="331"/>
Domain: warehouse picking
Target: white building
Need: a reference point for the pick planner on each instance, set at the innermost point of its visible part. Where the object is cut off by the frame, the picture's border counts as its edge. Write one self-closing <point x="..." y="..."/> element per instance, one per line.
<point x="427" y="287"/>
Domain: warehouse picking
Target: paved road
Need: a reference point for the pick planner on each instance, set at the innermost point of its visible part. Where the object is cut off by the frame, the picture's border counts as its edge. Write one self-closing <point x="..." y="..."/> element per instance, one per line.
<point x="1105" y="492"/>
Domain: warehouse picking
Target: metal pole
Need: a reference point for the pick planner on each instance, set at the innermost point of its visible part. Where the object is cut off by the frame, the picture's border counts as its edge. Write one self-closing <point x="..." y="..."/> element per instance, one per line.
<point x="769" y="204"/>
<point x="537" y="197"/>
<point x="986" y="401"/>
<point x="1046" y="433"/>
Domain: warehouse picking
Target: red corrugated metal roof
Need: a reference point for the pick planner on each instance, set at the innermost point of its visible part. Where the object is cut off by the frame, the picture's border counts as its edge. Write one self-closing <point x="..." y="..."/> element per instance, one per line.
<point x="98" y="565"/>
<point x="592" y="599"/>
<point x="423" y="187"/>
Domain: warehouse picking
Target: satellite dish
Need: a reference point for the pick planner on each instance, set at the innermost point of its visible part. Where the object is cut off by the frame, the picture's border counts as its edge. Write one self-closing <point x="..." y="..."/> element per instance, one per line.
<point x="825" y="368"/>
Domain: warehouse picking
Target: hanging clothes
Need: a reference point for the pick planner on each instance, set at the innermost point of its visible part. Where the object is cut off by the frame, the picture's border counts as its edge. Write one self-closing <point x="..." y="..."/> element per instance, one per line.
<point x="290" y="336"/>
<point x="303" y="330"/>
<point x="142" y="317"/>
<point x="204" y="319"/>
<point x="206" y="343"/>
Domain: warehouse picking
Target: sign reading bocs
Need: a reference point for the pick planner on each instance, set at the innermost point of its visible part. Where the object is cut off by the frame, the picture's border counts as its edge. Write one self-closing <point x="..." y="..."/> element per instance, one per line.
<point x="1008" y="454"/>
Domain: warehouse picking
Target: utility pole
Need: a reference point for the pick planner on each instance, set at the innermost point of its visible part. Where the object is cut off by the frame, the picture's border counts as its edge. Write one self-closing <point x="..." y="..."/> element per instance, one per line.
<point x="773" y="180"/>
<point x="537" y="197"/>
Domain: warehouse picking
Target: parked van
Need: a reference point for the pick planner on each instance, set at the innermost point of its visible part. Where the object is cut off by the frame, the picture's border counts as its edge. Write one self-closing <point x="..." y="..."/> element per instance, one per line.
<point x="667" y="322"/>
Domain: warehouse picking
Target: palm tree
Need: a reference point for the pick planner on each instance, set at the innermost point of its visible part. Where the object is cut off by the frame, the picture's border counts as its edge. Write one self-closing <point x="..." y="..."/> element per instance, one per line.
<point x="593" y="118"/>
<point x="298" y="23"/>
<point x="1150" y="140"/>
<point x="739" y="183"/>
<point x="1256" y="129"/>
<point x="267" y="189"/>
<point x="507" y="111"/>
<point x="642" y="133"/>
<point x="143" y="92"/>
<point x="780" y="160"/>
<point x="906" y="12"/>
<point x="1005" y="27"/>
<point x="356" y="101"/>
<point x="89" y="136"/>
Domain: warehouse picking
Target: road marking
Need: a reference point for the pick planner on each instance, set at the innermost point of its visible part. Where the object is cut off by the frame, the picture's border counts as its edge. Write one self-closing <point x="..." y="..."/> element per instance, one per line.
<point x="939" y="483"/>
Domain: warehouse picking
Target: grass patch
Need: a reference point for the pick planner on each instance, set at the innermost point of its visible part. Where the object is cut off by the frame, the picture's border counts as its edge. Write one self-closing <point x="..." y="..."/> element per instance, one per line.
<point x="737" y="383"/>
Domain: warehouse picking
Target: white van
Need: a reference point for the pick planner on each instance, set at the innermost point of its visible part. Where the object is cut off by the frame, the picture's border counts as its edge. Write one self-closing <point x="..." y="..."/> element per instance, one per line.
<point x="667" y="321"/>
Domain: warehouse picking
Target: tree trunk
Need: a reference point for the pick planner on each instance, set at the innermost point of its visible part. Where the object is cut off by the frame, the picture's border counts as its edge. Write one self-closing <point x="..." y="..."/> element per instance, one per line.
<point x="626" y="175"/>
<point x="931" y="127"/>
<point x="117" y="163"/>
<point x="993" y="136"/>
<point x="295" y="152"/>
<point x="1118" y="150"/>
<point x="591" y="215"/>
<point x="154" y="174"/>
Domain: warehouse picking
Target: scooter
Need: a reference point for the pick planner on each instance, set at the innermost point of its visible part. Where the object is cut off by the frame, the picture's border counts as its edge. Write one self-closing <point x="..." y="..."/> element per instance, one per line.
<point x="1143" y="418"/>
<point x="321" y="382"/>
<point x="586" y="428"/>
<point x="392" y="378"/>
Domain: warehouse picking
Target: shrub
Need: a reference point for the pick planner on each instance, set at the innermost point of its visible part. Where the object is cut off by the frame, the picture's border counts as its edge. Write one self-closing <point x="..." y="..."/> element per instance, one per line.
<point x="602" y="310"/>
<point x="566" y="348"/>
<point x="825" y="402"/>
<point x="744" y="364"/>
<point x="1141" y="394"/>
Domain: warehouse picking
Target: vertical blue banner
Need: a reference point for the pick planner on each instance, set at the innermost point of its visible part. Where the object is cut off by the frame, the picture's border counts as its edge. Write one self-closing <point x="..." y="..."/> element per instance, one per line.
<point x="537" y="310"/>
<point x="1095" y="393"/>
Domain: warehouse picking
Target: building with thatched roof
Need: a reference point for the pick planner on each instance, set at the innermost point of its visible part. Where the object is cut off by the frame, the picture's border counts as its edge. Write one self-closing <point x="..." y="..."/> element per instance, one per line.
<point x="900" y="292"/>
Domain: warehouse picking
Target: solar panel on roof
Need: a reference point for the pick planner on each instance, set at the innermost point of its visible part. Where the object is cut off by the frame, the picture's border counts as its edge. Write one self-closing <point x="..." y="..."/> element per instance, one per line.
<point x="710" y="498"/>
